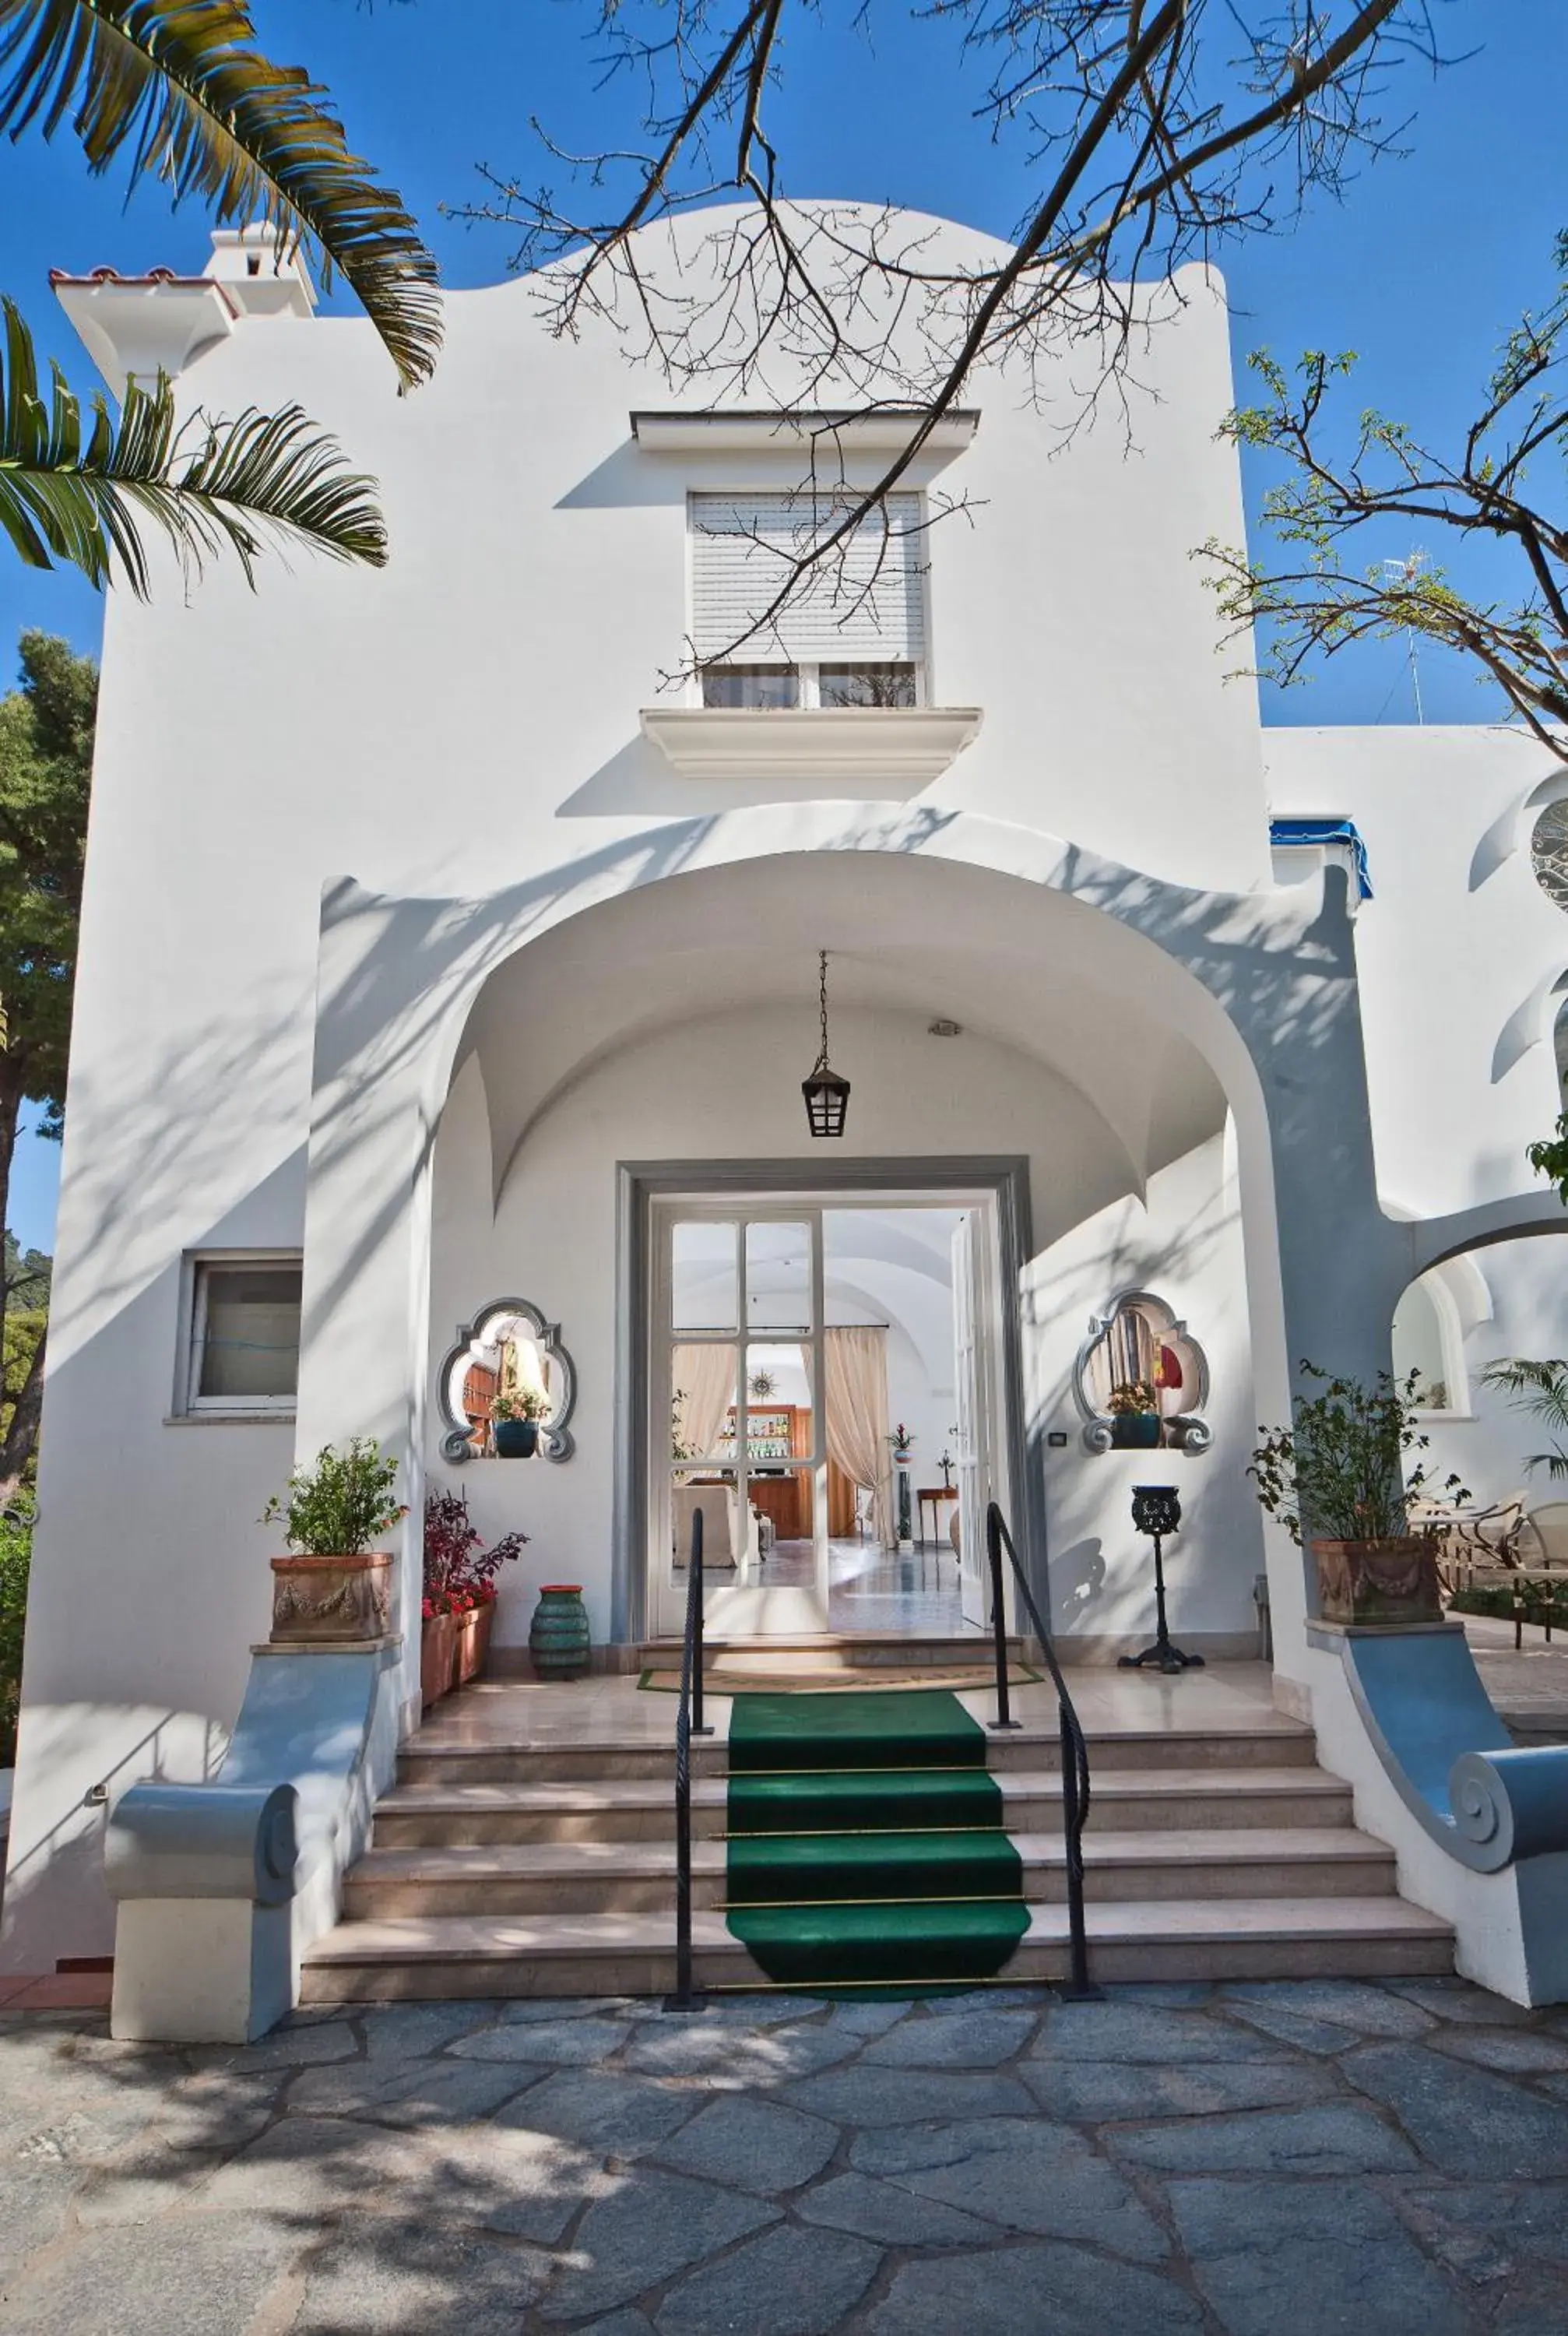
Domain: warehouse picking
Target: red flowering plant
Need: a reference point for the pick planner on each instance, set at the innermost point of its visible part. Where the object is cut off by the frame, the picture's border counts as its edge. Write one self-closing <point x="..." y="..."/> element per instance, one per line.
<point x="459" y="1570"/>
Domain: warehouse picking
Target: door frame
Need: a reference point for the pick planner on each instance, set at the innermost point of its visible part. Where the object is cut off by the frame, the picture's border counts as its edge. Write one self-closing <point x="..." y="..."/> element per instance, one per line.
<point x="1002" y="1179"/>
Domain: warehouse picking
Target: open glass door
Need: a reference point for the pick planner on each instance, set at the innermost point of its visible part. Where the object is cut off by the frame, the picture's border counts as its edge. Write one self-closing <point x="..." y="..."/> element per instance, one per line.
<point x="973" y="1317"/>
<point x="735" y="1419"/>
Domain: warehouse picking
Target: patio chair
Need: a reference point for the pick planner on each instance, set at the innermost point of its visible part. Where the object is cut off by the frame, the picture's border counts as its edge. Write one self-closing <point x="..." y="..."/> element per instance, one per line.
<point x="1544" y="1538"/>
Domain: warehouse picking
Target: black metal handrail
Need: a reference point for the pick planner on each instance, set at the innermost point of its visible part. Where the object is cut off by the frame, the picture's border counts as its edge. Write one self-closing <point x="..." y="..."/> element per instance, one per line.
<point x="1075" y="1751"/>
<point x="688" y="1722"/>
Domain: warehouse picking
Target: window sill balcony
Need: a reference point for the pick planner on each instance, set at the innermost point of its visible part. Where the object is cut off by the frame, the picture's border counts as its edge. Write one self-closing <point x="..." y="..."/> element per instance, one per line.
<point x="862" y="746"/>
<point x="250" y="1416"/>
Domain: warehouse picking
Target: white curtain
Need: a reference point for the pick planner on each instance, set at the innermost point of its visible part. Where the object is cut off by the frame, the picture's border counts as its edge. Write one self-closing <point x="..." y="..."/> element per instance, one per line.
<point x="855" y="1364"/>
<point x="703" y="1382"/>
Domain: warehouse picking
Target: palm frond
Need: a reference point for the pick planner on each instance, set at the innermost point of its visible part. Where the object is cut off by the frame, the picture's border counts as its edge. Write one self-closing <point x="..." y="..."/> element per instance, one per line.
<point x="75" y="495"/>
<point x="181" y="87"/>
<point x="1540" y="1389"/>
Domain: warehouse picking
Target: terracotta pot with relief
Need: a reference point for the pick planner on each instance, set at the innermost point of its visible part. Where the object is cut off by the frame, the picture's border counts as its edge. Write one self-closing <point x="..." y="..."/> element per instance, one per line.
<point x="1393" y="1583"/>
<point x="331" y="1600"/>
<point x="335" y="1590"/>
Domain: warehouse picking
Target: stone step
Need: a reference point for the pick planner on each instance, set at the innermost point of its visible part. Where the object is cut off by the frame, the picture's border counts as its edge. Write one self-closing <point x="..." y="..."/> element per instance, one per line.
<point x="638" y="1877"/>
<point x="427" y="1761"/>
<point x="551" y="1760"/>
<point x="643" y="1809"/>
<point x="545" y="1955"/>
<point x="831" y="1650"/>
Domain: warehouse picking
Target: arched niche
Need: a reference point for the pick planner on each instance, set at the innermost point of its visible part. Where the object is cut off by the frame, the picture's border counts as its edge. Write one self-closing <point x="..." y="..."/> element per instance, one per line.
<point x="1142" y="1341"/>
<point x="507" y="1347"/>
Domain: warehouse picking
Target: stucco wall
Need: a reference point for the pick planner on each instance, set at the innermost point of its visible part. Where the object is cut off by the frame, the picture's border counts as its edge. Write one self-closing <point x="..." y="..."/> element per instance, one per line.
<point x="1459" y="955"/>
<point x="1181" y="1243"/>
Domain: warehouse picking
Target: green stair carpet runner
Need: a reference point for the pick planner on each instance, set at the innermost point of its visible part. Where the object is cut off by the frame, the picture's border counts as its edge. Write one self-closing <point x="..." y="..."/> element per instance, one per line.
<point x="866" y="1845"/>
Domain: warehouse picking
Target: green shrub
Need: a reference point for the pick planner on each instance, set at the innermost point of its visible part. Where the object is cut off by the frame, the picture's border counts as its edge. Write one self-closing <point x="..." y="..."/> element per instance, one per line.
<point x="338" y="1505"/>
<point x="1542" y="1602"/>
<point x="15" y="1557"/>
<point x="1343" y="1468"/>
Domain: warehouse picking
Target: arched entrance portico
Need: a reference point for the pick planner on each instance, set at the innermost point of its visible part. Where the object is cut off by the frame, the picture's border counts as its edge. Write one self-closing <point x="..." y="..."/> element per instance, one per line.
<point x="661" y="1029"/>
<point x="1073" y="964"/>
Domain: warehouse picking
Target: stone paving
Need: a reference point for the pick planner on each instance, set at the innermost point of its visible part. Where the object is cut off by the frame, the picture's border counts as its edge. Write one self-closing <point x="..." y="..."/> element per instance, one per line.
<point x="1282" y="2160"/>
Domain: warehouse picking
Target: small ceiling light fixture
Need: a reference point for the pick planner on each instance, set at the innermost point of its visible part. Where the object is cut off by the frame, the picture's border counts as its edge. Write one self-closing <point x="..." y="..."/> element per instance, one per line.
<point x="827" y="1096"/>
<point x="944" y="1029"/>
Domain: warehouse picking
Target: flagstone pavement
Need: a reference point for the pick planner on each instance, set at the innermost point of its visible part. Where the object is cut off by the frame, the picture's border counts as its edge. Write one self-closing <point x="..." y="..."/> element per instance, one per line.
<point x="1297" y="2159"/>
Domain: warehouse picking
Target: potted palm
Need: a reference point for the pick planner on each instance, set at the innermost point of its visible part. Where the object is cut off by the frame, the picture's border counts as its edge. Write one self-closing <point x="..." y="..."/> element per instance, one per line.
<point x="1343" y="1480"/>
<point x="1135" y="1417"/>
<point x="514" y="1419"/>
<point x="334" y="1588"/>
<point x="460" y="1593"/>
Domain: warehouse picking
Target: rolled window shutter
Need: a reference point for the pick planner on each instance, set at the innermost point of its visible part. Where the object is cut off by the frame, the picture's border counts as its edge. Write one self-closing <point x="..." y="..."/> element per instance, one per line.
<point x="867" y="602"/>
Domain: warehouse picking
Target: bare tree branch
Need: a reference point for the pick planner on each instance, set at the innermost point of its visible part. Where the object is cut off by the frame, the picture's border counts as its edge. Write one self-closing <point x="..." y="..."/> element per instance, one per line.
<point x="1152" y="133"/>
<point x="1316" y="606"/>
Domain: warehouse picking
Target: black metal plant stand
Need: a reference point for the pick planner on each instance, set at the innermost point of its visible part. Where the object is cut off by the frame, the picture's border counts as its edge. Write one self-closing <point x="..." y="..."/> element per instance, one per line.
<point x="1158" y="1512"/>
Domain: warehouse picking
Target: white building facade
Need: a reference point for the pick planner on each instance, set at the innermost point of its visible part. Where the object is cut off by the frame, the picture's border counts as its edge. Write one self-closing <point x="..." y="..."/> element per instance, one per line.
<point x="439" y="951"/>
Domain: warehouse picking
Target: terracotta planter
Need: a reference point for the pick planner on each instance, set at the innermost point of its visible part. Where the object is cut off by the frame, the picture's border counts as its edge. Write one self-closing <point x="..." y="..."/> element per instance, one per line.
<point x="331" y="1600"/>
<point x="473" y="1641"/>
<point x="1386" y="1582"/>
<point x="437" y="1658"/>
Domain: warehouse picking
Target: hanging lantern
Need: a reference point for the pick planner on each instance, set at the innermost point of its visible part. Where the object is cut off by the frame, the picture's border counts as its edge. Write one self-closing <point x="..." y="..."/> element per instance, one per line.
<point x="827" y="1096"/>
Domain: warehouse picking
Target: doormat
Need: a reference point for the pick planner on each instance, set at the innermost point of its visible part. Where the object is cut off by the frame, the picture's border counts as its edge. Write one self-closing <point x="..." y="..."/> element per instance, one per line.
<point x="866" y="1846"/>
<point x="857" y="1678"/>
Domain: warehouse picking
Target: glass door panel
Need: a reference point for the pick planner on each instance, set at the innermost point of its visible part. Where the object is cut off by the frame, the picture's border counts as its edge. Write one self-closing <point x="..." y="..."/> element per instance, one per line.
<point x="705" y="1286"/>
<point x="778" y="1277"/>
<point x="734" y="1430"/>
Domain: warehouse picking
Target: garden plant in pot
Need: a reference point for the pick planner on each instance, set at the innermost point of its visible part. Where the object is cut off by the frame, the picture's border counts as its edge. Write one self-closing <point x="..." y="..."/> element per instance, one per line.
<point x="514" y="1419"/>
<point x="335" y="1588"/>
<point x="460" y="1592"/>
<point x="1135" y="1411"/>
<point x="1343" y="1480"/>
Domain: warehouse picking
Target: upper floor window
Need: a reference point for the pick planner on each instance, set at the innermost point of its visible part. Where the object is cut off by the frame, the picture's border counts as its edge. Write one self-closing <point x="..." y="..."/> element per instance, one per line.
<point x="852" y="634"/>
<point x="243" y="1334"/>
<point x="773" y="688"/>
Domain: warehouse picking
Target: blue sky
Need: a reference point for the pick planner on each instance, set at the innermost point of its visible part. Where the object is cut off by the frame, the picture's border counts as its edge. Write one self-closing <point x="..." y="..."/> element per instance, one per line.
<point x="1421" y="267"/>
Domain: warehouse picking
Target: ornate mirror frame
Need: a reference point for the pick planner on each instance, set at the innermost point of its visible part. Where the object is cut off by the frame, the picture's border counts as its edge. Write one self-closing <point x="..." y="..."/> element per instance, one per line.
<point x="1186" y="1430"/>
<point x="555" y="1437"/>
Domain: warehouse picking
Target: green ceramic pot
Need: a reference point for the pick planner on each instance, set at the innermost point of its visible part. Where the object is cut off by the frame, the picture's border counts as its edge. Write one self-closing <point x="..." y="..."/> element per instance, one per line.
<point x="1136" y="1431"/>
<point x="558" y="1638"/>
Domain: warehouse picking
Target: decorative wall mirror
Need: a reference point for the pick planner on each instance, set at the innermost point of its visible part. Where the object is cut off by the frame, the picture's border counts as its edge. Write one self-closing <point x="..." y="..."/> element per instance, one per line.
<point x="507" y="1389"/>
<point x="1142" y="1380"/>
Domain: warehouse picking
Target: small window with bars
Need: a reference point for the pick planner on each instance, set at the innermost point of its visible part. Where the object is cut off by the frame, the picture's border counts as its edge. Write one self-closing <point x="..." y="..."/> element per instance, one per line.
<point x="243" y="1334"/>
<point x="852" y="633"/>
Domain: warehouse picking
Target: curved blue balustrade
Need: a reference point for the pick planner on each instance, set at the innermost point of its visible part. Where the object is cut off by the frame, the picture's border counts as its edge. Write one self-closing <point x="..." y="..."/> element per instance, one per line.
<point x="1457" y="1769"/>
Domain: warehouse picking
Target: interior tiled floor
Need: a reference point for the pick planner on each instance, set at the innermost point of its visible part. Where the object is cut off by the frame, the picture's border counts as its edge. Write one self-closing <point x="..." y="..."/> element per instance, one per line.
<point x="875" y="1589"/>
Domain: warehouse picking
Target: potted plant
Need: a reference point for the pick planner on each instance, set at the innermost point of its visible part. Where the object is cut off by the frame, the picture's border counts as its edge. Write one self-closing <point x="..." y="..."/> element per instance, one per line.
<point x="335" y="1588"/>
<point x="900" y="1439"/>
<point x="514" y="1419"/>
<point x="460" y="1592"/>
<point x="1135" y="1422"/>
<point x="1340" y="1482"/>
